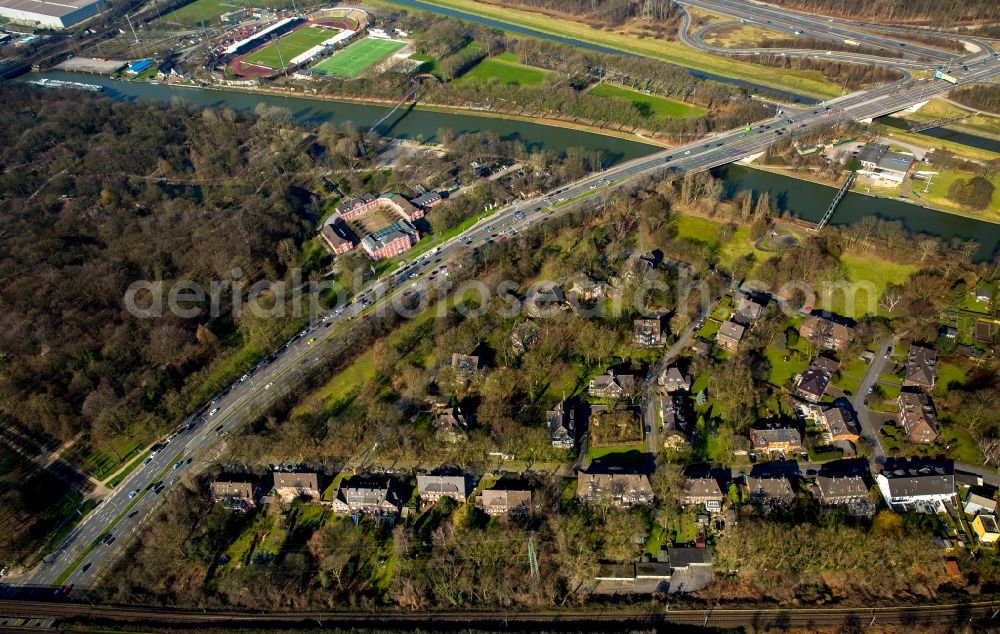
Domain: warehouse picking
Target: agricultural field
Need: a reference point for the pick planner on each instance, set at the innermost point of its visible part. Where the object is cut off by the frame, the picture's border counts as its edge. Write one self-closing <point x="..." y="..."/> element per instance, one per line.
<point x="357" y="58"/>
<point x="277" y="54"/>
<point x="656" y="105"/>
<point x="506" y="69"/>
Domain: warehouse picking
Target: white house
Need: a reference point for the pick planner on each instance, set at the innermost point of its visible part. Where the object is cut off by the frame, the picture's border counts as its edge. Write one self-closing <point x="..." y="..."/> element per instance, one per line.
<point x="923" y="489"/>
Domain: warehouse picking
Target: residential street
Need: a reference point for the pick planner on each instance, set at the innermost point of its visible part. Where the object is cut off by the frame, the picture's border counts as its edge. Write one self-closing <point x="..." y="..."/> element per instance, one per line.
<point x="869" y="426"/>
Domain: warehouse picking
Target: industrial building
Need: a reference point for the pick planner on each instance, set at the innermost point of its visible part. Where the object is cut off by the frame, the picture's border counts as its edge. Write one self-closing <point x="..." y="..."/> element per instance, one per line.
<point x="56" y="15"/>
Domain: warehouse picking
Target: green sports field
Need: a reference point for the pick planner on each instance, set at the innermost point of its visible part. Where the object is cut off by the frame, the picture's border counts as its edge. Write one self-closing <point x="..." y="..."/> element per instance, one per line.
<point x="357" y="58"/>
<point x="295" y="43"/>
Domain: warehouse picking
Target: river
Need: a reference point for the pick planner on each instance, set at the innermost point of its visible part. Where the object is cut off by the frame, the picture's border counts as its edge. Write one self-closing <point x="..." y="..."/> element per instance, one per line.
<point x="799" y="198"/>
<point x="963" y="138"/>
<point x="765" y="91"/>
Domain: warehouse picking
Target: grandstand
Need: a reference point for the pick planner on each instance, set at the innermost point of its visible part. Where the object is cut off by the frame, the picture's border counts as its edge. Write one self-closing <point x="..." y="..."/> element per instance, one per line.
<point x="281" y="52"/>
<point x="347" y="18"/>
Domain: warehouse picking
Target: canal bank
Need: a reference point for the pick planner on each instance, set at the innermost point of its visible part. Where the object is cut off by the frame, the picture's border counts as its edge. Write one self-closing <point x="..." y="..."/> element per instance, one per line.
<point x="799" y="198"/>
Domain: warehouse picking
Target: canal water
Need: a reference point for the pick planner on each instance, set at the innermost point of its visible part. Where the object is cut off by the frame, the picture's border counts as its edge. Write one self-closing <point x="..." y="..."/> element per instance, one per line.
<point x="802" y="199"/>
<point x="983" y="143"/>
<point x="765" y="91"/>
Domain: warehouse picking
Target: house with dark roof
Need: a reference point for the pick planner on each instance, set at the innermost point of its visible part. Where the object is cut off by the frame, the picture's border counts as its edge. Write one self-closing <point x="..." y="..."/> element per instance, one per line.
<point x="432" y="488"/>
<point x="648" y="333"/>
<point x="836" y="489"/>
<point x="814" y="381"/>
<point x="776" y="489"/>
<point x="748" y="309"/>
<point x="426" y="200"/>
<point x="234" y="495"/>
<point x="612" y="385"/>
<point x="920" y="485"/>
<point x="703" y="491"/>
<point x="451" y="424"/>
<point x="465" y="364"/>
<point x="840" y="424"/>
<point x="730" y="335"/>
<point x="291" y="486"/>
<point x="981" y="499"/>
<point x="561" y="423"/>
<point x="879" y="163"/>
<point x="917" y="416"/>
<point x="619" y="489"/>
<point x="677" y="414"/>
<point x="336" y="236"/>
<point x="702" y="347"/>
<point x="776" y="439"/>
<point x="921" y="367"/>
<point x="367" y="498"/>
<point x="544" y="298"/>
<point x="674" y="380"/>
<point x="496" y="502"/>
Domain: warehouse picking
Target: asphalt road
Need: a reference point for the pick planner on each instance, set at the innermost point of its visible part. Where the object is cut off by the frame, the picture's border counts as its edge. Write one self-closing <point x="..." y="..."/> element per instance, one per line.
<point x="828" y="29"/>
<point x="80" y="558"/>
<point x="869" y="427"/>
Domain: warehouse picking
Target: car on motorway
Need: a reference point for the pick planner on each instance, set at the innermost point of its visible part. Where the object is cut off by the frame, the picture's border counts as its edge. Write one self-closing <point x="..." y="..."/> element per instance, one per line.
<point x="214" y="410"/>
<point x="518" y="215"/>
<point x="219" y="428"/>
<point x="177" y="465"/>
<point x="132" y="495"/>
<point x="311" y="341"/>
<point x="63" y="591"/>
<point x="686" y="152"/>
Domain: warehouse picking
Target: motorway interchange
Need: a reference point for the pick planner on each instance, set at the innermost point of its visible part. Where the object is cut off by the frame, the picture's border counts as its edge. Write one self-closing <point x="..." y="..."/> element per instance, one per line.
<point x="105" y="531"/>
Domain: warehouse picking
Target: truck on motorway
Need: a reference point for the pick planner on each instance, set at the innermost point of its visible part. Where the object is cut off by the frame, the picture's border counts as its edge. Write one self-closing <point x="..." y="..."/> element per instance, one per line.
<point x="946" y="77"/>
<point x="852" y="42"/>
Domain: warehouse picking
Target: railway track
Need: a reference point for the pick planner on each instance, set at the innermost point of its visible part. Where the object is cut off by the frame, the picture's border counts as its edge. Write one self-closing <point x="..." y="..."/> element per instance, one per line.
<point x="713" y="617"/>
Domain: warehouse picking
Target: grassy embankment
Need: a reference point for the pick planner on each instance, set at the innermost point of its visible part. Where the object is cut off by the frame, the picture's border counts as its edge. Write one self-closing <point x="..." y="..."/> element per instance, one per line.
<point x="805" y="82"/>
<point x="656" y="105"/>
<point x="506" y="69"/>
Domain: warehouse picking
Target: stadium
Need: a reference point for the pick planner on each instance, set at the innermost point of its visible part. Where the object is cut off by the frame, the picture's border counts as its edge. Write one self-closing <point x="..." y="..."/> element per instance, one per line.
<point x="292" y="42"/>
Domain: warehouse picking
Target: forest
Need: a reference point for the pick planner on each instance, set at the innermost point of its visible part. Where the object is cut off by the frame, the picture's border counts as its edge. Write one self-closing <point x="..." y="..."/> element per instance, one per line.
<point x="984" y="97"/>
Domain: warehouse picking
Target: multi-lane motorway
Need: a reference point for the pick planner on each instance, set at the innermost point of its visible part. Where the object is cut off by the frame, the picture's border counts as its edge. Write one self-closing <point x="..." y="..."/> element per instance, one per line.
<point x="119" y="518"/>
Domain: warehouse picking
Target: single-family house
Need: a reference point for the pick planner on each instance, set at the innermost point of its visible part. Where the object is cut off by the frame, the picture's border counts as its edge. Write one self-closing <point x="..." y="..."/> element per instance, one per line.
<point x="706" y="491"/>
<point x="827" y="332"/>
<point x="702" y="347"/>
<point x="839" y="489"/>
<point x="432" y="488"/>
<point x="921" y="367"/>
<point x="784" y="440"/>
<point x="748" y="309"/>
<point x="730" y="335"/>
<point x="840" y="424"/>
<point x="648" y="333"/>
<point x="677" y="414"/>
<point x="367" y="498"/>
<point x="450" y="424"/>
<point x="290" y="486"/>
<point x="985" y="528"/>
<point x="981" y="499"/>
<point x="620" y="489"/>
<point x="922" y="486"/>
<point x="495" y="502"/>
<point x="612" y="385"/>
<point x="674" y="380"/>
<point x="545" y="298"/>
<point x="524" y="336"/>
<point x="235" y="495"/>
<point x="561" y="422"/>
<point x="814" y="381"/>
<point x="917" y="416"/>
<point x="984" y="294"/>
<point x="769" y="489"/>
<point x="465" y="364"/>
<point x="584" y="288"/>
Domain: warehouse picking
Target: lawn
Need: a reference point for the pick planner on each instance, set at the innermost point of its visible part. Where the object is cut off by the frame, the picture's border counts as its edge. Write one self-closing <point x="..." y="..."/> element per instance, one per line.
<point x="868" y="277"/>
<point x="805" y="82"/>
<point x="782" y="371"/>
<point x="208" y="11"/>
<point x="961" y="446"/>
<point x="280" y="52"/>
<point x="706" y="231"/>
<point x="937" y="194"/>
<point x="507" y="70"/>
<point x="610" y="452"/>
<point x="851" y="374"/>
<point x="742" y="35"/>
<point x="653" y="104"/>
<point x="357" y="58"/>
